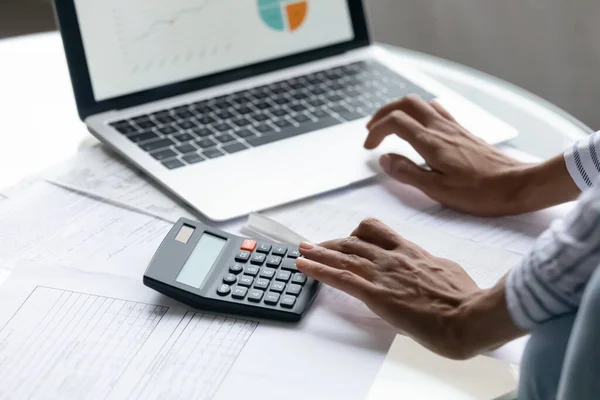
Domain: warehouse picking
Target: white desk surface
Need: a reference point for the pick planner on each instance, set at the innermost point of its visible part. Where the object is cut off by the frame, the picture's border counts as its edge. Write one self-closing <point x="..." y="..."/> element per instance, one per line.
<point x="40" y="126"/>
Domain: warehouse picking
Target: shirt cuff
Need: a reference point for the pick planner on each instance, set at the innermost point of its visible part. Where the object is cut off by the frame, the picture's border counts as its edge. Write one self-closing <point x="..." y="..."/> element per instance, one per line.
<point x="583" y="161"/>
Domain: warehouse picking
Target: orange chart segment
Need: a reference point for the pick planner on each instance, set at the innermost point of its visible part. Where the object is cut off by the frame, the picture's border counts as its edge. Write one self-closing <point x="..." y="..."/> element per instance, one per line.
<point x="296" y="14"/>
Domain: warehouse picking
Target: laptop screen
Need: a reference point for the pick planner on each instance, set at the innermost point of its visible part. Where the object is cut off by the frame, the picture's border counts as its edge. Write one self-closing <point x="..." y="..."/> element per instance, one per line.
<point x="134" y="45"/>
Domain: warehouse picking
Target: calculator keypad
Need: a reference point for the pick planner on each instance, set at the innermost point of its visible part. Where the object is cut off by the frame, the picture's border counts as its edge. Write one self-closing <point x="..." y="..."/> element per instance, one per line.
<point x="242" y="256"/>
<point x="264" y="273"/>
<point x="258" y="259"/>
<point x="239" y="293"/>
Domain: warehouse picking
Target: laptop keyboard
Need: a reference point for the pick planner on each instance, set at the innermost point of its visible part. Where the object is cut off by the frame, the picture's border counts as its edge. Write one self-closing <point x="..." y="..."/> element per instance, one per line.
<point x="200" y="131"/>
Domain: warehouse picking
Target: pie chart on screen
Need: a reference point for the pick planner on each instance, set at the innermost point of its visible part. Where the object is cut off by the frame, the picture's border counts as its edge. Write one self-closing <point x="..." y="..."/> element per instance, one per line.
<point x="283" y="15"/>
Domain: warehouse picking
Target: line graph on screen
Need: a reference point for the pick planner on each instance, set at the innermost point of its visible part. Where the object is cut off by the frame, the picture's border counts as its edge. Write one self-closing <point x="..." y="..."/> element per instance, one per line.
<point x="155" y="34"/>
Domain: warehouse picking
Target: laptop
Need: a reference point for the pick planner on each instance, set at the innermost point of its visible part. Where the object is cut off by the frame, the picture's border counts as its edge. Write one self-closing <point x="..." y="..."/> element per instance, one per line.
<point x="242" y="105"/>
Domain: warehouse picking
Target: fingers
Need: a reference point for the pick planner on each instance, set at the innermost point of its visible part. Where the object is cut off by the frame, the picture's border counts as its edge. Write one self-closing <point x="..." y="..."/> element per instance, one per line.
<point x="376" y="232"/>
<point x="354" y="245"/>
<point x="348" y="262"/>
<point x="442" y="111"/>
<point x="399" y="123"/>
<point x="404" y="170"/>
<point x="343" y="280"/>
<point x="412" y="105"/>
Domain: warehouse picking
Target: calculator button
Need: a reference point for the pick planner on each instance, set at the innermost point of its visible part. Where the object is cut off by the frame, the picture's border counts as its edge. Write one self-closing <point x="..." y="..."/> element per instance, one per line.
<point x="279" y="251"/>
<point x="246" y="281"/>
<point x="273" y="261"/>
<point x="242" y="256"/>
<point x="288" y="301"/>
<point x="267" y="273"/>
<point x="262" y="283"/>
<point x="251" y="270"/>
<point x="290" y="265"/>
<point x="293" y="253"/>
<point x="294" y="290"/>
<point x="223" y="290"/>
<point x="299" y="278"/>
<point x="264" y="248"/>
<point x="258" y="259"/>
<point x="249" y="245"/>
<point x="236" y="268"/>
<point x="230" y="279"/>
<point x="283" y="276"/>
<point x="239" y="292"/>
<point x="278" y="287"/>
<point x="271" y="299"/>
<point x="255" y="295"/>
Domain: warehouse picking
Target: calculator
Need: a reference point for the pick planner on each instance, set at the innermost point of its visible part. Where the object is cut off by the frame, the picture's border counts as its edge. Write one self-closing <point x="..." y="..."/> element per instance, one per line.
<point x="210" y="269"/>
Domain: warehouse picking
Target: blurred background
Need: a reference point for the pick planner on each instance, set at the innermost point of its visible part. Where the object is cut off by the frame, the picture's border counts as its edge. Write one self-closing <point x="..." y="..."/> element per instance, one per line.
<point x="549" y="47"/>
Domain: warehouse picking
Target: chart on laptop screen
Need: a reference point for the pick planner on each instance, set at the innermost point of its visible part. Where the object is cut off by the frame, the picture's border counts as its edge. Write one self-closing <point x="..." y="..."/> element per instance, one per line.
<point x="132" y="45"/>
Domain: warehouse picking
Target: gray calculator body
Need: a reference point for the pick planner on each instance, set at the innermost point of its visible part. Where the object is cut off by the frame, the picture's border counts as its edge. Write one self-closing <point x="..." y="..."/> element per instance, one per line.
<point x="209" y="269"/>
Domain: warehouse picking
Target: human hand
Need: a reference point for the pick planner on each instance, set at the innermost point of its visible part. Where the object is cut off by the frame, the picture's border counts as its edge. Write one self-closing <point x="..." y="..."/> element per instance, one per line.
<point x="466" y="173"/>
<point x="419" y="294"/>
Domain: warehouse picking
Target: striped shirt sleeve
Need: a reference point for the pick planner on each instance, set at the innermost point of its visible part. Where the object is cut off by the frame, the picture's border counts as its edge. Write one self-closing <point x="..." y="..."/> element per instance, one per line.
<point x="550" y="281"/>
<point x="583" y="161"/>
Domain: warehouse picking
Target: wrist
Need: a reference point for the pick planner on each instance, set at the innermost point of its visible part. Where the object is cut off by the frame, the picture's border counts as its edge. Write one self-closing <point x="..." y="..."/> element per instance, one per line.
<point x="538" y="186"/>
<point x="482" y="322"/>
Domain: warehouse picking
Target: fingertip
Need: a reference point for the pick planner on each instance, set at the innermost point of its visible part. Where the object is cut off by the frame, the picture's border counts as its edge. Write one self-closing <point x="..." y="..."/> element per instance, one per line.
<point x="386" y="163"/>
<point x="302" y="264"/>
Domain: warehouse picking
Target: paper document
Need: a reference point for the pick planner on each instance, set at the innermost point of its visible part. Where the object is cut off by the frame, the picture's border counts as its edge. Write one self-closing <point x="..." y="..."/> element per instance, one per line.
<point x="413" y="372"/>
<point x="51" y="225"/>
<point x="99" y="173"/>
<point x="74" y="335"/>
<point x="387" y="199"/>
<point x="69" y="344"/>
<point x="320" y="222"/>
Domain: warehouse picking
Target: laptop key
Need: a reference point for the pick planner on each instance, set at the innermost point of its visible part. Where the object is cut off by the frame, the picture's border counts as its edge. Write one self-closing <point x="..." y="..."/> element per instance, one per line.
<point x="224" y="127"/>
<point x="214" y="153"/>
<point x="278" y="112"/>
<point x="142" y="137"/>
<point x="301" y="118"/>
<point x="264" y="128"/>
<point x="173" y="163"/>
<point x="146" y="124"/>
<point x="183" y="137"/>
<point x="166" y="130"/>
<point x="282" y="123"/>
<point x="260" y="117"/>
<point x="125" y="129"/>
<point x="234" y="148"/>
<point x="241" y="122"/>
<point x="202" y="132"/>
<point x="206" y="143"/>
<point x="185" y="114"/>
<point x="205" y="119"/>
<point x="165" y="119"/>
<point x="298" y="107"/>
<point x="243" y="110"/>
<point x="163" y="154"/>
<point x="245" y="133"/>
<point x="226" y="138"/>
<point x="293" y="131"/>
<point x="193" y="158"/>
<point x="185" y="125"/>
<point x="156" y="144"/>
<point x="186" y="148"/>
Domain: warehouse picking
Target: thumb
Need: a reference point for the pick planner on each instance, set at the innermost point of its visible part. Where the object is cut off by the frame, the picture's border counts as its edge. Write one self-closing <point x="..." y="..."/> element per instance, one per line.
<point x="404" y="170"/>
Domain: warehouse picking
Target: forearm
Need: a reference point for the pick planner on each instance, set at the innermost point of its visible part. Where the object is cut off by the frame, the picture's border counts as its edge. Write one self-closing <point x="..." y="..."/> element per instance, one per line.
<point x="483" y="322"/>
<point x="543" y="185"/>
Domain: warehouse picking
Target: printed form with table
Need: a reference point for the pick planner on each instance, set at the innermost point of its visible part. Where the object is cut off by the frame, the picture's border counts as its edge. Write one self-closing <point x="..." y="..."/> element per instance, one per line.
<point x="77" y="322"/>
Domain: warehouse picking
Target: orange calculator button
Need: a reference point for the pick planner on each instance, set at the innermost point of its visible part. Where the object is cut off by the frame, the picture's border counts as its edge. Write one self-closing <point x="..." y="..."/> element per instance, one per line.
<point x="249" y="245"/>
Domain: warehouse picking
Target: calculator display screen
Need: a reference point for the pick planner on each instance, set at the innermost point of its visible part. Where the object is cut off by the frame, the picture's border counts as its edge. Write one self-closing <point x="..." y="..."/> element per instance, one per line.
<point x="201" y="260"/>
